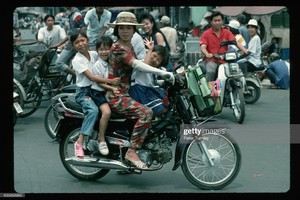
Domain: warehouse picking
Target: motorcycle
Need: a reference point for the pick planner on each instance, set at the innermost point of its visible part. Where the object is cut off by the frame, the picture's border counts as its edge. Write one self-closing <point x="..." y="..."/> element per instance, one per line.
<point x="202" y="156"/>
<point x="231" y="80"/>
<point x="18" y="100"/>
<point x="51" y="116"/>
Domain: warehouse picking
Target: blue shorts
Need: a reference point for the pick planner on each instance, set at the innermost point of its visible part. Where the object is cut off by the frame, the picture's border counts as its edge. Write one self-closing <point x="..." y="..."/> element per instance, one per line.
<point x="150" y="97"/>
<point x="98" y="97"/>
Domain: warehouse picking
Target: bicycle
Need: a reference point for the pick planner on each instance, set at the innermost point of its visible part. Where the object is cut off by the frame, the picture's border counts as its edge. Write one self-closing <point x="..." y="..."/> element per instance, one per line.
<point x="43" y="82"/>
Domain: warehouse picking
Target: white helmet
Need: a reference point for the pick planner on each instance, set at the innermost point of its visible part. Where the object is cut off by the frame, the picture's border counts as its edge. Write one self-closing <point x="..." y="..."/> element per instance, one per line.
<point x="234" y="24"/>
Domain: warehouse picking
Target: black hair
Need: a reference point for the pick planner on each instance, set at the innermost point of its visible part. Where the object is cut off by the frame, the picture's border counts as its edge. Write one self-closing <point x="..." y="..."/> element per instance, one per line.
<point x="115" y="33"/>
<point x="163" y="52"/>
<point x="241" y="18"/>
<point x="216" y="13"/>
<point x="104" y="40"/>
<point x="234" y="31"/>
<point x="47" y="16"/>
<point x="75" y="33"/>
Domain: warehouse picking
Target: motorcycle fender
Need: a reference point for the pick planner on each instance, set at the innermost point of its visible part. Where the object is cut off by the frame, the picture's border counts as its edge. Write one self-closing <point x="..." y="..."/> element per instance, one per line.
<point x="253" y="80"/>
<point x="61" y="95"/>
<point x="180" y="146"/>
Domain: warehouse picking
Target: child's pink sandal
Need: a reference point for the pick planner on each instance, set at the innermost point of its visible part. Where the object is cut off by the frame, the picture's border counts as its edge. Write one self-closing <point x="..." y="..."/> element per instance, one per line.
<point x="78" y="150"/>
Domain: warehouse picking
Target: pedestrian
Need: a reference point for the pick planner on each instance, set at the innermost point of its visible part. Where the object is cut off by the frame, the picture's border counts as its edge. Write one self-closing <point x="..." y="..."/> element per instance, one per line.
<point x="144" y="85"/>
<point x="83" y="62"/>
<point x="16" y="26"/>
<point x="170" y="33"/>
<point x="39" y="24"/>
<point x="52" y="35"/>
<point x="278" y="71"/>
<point x="124" y="60"/>
<point x="98" y="90"/>
<point x="75" y="22"/>
<point x="210" y="44"/>
<point x="96" y="20"/>
<point x="241" y="18"/>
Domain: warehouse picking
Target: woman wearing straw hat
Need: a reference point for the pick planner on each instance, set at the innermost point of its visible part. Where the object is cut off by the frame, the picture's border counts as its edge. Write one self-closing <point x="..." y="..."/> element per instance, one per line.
<point x="124" y="61"/>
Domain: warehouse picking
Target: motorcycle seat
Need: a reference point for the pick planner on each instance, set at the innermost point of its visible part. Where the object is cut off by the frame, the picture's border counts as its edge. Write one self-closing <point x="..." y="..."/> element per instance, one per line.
<point x="72" y="104"/>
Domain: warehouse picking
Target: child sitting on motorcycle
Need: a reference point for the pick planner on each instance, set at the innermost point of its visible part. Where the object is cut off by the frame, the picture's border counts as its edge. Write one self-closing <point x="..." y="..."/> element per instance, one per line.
<point x="98" y="90"/>
<point x="143" y="85"/>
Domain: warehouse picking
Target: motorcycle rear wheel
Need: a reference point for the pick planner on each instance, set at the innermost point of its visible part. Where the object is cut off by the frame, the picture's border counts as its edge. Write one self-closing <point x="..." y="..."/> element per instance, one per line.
<point x="66" y="150"/>
<point x="227" y="162"/>
<point x="51" y="120"/>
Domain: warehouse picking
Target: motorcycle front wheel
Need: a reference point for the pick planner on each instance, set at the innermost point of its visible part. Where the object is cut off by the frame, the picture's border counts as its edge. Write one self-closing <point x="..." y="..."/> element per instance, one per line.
<point x="239" y="108"/>
<point x="254" y="93"/>
<point x="66" y="150"/>
<point x="226" y="157"/>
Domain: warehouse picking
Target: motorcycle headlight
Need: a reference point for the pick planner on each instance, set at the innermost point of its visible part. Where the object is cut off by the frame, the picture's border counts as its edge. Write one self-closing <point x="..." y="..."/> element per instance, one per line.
<point x="230" y="56"/>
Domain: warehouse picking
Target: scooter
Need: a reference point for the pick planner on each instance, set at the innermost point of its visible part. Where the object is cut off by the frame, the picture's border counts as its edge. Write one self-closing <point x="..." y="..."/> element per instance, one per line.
<point x="230" y="77"/>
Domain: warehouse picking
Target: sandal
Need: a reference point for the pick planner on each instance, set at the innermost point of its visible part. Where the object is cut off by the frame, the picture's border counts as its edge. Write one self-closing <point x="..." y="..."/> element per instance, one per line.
<point x="78" y="150"/>
<point x="138" y="163"/>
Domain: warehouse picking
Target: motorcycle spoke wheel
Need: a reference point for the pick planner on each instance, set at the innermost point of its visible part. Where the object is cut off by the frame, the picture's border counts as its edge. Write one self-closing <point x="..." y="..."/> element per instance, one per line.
<point x="66" y="150"/>
<point x="226" y="158"/>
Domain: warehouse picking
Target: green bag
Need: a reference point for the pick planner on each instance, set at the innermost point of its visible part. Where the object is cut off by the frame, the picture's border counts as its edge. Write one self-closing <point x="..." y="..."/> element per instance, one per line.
<point x="200" y="93"/>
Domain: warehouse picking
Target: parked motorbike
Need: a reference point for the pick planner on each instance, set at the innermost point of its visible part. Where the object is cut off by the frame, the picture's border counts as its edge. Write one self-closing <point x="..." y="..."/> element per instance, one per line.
<point x="17" y="109"/>
<point x="18" y="100"/>
<point x="202" y="156"/>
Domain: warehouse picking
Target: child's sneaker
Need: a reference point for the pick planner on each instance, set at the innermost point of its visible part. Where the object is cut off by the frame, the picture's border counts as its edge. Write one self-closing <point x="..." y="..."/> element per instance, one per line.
<point x="103" y="148"/>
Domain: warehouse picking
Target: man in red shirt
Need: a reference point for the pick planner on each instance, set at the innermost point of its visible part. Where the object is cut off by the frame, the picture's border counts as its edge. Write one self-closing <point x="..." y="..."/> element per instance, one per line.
<point x="210" y="44"/>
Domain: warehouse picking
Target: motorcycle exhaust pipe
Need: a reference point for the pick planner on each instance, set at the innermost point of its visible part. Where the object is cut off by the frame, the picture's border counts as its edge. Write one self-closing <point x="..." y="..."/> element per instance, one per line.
<point x="97" y="163"/>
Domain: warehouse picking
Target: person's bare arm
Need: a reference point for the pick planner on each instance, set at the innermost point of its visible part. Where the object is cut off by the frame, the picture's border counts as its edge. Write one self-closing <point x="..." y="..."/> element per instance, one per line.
<point x="160" y="39"/>
<point x="97" y="79"/>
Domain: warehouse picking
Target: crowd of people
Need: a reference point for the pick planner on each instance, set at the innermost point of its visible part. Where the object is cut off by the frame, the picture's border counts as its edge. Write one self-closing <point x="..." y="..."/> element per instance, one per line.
<point x="116" y="65"/>
<point x="248" y="40"/>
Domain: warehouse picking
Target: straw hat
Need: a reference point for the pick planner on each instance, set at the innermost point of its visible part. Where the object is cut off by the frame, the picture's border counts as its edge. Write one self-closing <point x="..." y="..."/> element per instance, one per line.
<point x="125" y="18"/>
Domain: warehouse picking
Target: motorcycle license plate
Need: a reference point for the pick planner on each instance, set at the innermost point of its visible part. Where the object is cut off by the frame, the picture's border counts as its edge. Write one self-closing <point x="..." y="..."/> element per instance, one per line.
<point x="18" y="107"/>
